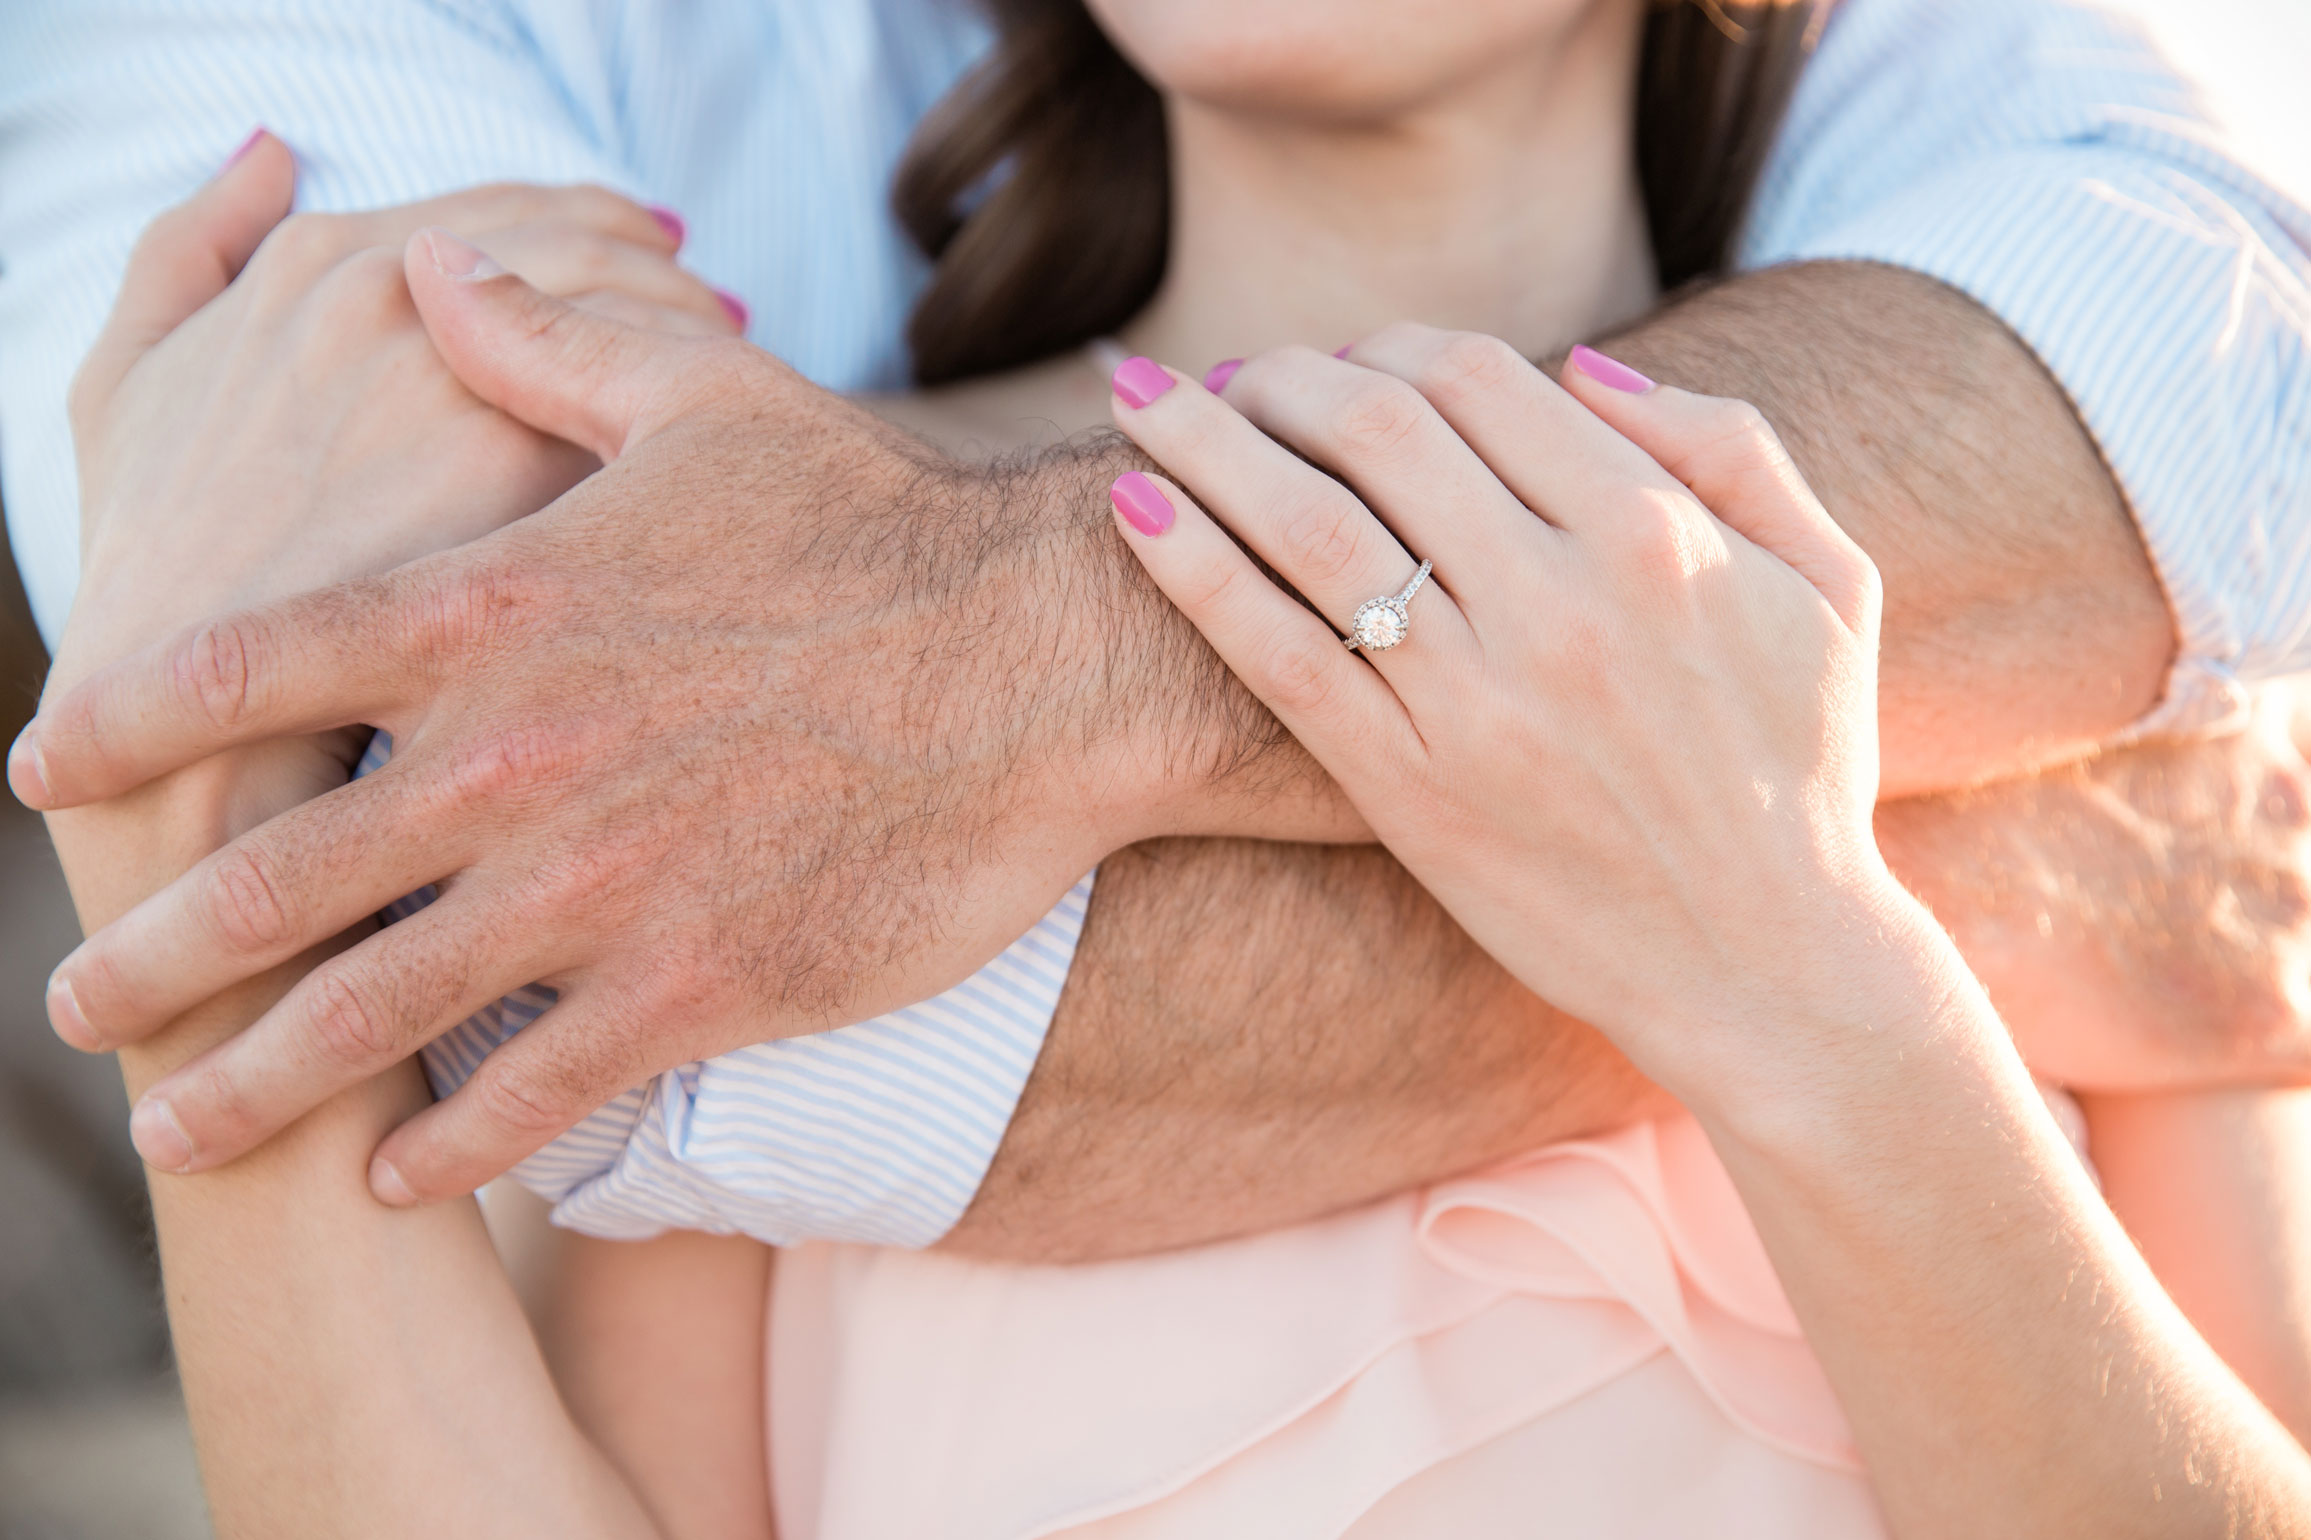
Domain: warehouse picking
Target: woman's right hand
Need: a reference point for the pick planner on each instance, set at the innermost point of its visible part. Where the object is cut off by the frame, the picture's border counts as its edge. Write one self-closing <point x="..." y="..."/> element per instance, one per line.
<point x="1630" y="739"/>
<point x="263" y="412"/>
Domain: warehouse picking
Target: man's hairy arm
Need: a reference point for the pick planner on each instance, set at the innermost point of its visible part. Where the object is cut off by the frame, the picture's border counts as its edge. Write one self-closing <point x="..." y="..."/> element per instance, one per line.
<point x="1254" y="1034"/>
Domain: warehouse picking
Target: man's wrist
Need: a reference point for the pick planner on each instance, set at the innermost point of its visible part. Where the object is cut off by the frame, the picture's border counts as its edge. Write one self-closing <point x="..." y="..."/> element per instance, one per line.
<point x="1154" y="737"/>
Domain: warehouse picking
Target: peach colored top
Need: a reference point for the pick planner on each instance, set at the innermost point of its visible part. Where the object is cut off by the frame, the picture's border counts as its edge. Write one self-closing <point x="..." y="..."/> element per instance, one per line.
<point x="1589" y="1337"/>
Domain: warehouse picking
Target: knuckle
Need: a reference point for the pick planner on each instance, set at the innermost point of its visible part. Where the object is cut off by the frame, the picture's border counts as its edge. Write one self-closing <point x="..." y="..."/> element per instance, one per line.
<point x="1381" y="418"/>
<point x="1301" y="673"/>
<point x="471" y="611"/>
<point x="217" y="671"/>
<point x="349" y="1028"/>
<point x="305" y="242"/>
<point x="513" y="761"/>
<point x="1467" y="365"/>
<point x="1319" y="544"/>
<point x="516" y="1100"/>
<point x="245" y="902"/>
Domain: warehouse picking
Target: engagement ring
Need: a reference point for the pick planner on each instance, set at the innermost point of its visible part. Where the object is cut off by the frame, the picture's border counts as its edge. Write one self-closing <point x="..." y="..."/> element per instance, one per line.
<point x="1380" y="624"/>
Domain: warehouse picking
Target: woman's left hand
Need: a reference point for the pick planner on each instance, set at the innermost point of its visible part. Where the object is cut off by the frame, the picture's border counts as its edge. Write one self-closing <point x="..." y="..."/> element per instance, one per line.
<point x="1629" y="735"/>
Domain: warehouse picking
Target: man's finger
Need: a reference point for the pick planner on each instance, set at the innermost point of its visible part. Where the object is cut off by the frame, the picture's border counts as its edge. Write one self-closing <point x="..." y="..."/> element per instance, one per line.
<point x="565" y="371"/>
<point x="353" y="1017"/>
<point x="289" y="884"/>
<point x="188" y="255"/>
<point x="333" y="658"/>
<point x="581" y="1054"/>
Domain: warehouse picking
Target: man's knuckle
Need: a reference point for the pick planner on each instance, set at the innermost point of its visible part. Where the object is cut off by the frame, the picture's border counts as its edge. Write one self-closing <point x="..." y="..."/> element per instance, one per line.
<point x="516" y="1098"/>
<point x="218" y="671"/>
<point x="350" y="1027"/>
<point x="246" y="904"/>
<point x="513" y="761"/>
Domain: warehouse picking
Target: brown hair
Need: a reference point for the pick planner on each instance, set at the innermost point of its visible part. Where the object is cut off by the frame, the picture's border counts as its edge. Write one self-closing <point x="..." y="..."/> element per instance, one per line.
<point x="1055" y="128"/>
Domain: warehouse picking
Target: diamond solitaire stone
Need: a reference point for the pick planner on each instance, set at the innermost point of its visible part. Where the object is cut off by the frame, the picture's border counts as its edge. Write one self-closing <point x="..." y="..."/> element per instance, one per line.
<point x="1380" y="624"/>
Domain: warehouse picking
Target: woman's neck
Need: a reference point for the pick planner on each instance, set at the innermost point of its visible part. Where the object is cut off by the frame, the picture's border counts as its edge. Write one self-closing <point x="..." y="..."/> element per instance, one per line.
<point x="1510" y="208"/>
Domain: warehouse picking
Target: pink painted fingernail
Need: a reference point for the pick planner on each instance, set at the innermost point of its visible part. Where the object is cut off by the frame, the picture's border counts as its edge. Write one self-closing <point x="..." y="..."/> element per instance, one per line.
<point x="1341" y="352"/>
<point x="158" y="1136"/>
<point x="389" y="1185"/>
<point x="246" y="146"/>
<point x="28" y="772"/>
<point x="66" y="1016"/>
<point x="735" y="306"/>
<point x="671" y="223"/>
<point x="1222" y="372"/>
<point x="1141" y="501"/>
<point x="1141" y="380"/>
<point x="453" y="258"/>
<point x="1610" y="371"/>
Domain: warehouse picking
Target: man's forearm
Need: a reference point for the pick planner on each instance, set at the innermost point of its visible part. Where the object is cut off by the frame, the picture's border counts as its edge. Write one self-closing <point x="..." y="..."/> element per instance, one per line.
<point x="1256" y="1034"/>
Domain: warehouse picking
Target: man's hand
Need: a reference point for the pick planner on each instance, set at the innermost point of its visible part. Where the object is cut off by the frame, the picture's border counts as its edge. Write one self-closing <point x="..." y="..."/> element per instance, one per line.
<point x="775" y="723"/>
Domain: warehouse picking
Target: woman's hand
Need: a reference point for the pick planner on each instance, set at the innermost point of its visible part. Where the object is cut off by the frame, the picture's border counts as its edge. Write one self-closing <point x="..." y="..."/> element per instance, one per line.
<point x="263" y="412"/>
<point x="1630" y="738"/>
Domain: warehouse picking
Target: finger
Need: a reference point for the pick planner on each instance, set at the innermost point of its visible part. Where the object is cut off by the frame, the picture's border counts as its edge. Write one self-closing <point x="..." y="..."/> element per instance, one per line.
<point x="313" y="663"/>
<point x="567" y="261"/>
<point x="187" y="256"/>
<point x="1382" y="437"/>
<point x="353" y="1017"/>
<point x="1303" y="523"/>
<point x="1287" y="657"/>
<point x="644" y="316"/>
<point x="583" y="1053"/>
<point x="476" y="212"/>
<point x="1734" y="462"/>
<point x="578" y="376"/>
<point x="285" y="886"/>
<point x="1544" y="445"/>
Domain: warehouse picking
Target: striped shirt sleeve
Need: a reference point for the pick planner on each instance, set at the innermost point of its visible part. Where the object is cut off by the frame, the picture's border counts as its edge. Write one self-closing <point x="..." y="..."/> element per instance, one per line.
<point x="2047" y="160"/>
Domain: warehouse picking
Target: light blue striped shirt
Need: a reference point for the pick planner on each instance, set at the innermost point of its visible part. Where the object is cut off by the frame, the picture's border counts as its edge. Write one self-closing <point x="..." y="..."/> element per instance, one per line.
<point x="2033" y="153"/>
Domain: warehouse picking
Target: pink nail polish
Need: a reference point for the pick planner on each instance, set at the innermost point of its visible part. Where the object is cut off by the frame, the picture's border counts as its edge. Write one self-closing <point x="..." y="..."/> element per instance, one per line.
<point x="671" y="223"/>
<point x="246" y="146"/>
<point x="1222" y="372"/>
<point x="453" y="258"/>
<point x="1140" y="380"/>
<point x="735" y="306"/>
<point x="1341" y="352"/>
<point x="1141" y="501"/>
<point x="1610" y="371"/>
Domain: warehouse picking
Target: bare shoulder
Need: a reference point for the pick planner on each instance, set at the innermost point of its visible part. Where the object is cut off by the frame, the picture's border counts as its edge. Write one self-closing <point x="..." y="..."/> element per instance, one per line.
<point x="1035" y="407"/>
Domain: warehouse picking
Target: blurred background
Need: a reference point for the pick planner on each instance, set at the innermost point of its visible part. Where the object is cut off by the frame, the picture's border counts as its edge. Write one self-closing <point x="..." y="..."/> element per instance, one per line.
<point x="93" y="1444"/>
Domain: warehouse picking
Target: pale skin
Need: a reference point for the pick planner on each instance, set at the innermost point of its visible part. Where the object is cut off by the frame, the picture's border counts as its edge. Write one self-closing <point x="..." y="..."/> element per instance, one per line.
<point x="209" y="1282"/>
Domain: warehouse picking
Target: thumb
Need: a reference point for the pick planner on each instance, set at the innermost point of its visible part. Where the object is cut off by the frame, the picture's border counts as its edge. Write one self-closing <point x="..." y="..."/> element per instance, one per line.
<point x="187" y="256"/>
<point x="1729" y="457"/>
<point x="573" y="373"/>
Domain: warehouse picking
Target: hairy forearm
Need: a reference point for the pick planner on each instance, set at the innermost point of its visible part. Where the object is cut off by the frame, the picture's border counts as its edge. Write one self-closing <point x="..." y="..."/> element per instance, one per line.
<point x="1254" y="1037"/>
<point x="1254" y="1033"/>
<point x="2024" y="624"/>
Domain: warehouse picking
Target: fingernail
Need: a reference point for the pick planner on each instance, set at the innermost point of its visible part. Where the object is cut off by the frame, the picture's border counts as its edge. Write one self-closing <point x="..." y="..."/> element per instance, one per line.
<point x="28" y="771"/>
<point x="1140" y="380"/>
<point x="387" y="1182"/>
<point x="158" y="1136"/>
<point x="671" y="223"/>
<point x="246" y="146"/>
<point x="1610" y="371"/>
<point x="1341" y="352"/>
<point x="1222" y="372"/>
<point x="736" y="306"/>
<point x="1140" y="500"/>
<point x="453" y="258"/>
<point x="66" y="1016"/>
